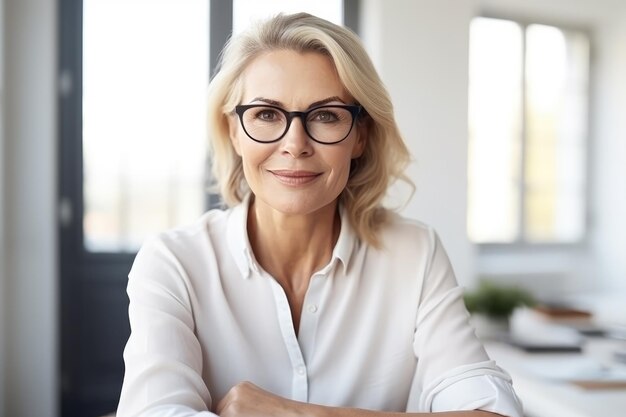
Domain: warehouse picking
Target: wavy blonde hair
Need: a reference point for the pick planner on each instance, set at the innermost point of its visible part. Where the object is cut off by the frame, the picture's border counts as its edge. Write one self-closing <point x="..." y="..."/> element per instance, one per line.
<point x="385" y="154"/>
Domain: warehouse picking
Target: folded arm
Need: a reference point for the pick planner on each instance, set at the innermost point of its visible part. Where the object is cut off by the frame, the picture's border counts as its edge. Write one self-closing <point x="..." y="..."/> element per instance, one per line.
<point x="248" y="400"/>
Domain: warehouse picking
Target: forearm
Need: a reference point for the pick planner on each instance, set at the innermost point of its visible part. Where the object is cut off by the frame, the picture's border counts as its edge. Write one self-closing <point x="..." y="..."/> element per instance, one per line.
<point x="248" y="400"/>
<point x="323" y="411"/>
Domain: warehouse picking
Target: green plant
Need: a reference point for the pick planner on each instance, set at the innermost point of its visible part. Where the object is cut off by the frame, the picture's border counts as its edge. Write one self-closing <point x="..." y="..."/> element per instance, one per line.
<point x="496" y="300"/>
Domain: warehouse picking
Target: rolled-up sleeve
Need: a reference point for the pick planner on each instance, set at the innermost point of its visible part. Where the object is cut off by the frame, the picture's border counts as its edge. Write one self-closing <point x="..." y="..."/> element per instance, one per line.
<point x="453" y="370"/>
<point x="163" y="355"/>
<point x="492" y="392"/>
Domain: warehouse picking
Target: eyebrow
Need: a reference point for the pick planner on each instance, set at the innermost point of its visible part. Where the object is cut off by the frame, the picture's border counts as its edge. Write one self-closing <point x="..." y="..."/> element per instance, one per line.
<point x="314" y="104"/>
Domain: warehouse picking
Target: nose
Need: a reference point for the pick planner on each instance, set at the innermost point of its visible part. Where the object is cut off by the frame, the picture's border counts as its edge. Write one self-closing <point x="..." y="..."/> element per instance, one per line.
<point x="296" y="141"/>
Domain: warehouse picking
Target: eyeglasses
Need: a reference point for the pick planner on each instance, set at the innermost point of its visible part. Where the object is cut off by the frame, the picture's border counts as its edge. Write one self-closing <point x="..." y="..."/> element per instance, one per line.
<point x="324" y="124"/>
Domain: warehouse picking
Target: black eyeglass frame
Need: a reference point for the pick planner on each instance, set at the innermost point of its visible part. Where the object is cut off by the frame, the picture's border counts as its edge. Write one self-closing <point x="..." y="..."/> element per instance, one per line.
<point x="355" y="111"/>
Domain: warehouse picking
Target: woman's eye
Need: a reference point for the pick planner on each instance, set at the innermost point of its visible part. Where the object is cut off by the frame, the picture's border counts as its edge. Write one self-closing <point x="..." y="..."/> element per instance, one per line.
<point x="267" y="115"/>
<point x="324" y="116"/>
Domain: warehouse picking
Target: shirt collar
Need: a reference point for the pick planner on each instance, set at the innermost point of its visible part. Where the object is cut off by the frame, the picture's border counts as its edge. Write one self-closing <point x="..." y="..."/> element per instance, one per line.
<point x="240" y="249"/>
<point x="346" y="241"/>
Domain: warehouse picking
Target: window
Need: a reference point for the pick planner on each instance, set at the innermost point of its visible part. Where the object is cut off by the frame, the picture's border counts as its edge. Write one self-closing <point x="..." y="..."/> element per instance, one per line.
<point x="145" y="76"/>
<point x="528" y="105"/>
<point x="143" y="119"/>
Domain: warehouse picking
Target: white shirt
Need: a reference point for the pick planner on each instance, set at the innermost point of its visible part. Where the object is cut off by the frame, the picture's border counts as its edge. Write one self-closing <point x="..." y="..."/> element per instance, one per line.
<point x="380" y="329"/>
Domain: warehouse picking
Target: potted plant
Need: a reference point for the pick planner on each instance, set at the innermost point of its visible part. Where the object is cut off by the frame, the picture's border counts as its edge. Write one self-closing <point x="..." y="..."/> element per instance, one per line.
<point x="492" y="304"/>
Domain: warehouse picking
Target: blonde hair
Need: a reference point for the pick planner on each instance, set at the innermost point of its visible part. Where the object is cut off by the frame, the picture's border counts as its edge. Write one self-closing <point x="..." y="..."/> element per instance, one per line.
<point x="385" y="154"/>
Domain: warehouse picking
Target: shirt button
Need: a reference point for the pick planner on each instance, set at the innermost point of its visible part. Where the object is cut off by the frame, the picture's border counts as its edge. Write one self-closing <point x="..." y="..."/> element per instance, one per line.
<point x="312" y="308"/>
<point x="301" y="370"/>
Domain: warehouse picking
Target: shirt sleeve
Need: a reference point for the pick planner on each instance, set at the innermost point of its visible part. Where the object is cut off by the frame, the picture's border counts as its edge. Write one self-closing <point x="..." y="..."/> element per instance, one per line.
<point x="453" y="370"/>
<point x="163" y="356"/>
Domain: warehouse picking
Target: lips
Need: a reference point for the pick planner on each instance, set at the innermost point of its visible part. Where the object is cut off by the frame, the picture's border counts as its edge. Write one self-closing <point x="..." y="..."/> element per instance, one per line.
<point x="295" y="177"/>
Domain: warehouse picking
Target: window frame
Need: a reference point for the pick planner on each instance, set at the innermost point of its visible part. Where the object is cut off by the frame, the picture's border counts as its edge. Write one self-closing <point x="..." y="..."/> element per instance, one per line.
<point x="522" y="245"/>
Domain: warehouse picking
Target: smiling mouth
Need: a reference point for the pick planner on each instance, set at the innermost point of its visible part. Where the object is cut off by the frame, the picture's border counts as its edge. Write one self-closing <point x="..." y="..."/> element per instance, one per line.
<point x="290" y="177"/>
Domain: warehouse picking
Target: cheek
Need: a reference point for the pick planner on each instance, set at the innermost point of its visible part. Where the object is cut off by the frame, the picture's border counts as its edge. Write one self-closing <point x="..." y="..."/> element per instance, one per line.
<point x="249" y="165"/>
<point x="341" y="170"/>
<point x="253" y="155"/>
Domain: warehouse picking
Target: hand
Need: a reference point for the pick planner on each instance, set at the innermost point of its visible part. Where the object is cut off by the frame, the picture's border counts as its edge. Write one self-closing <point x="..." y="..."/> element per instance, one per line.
<point x="247" y="400"/>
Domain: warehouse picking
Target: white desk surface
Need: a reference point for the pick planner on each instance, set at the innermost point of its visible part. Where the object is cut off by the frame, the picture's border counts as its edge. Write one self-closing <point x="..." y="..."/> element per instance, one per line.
<point x="544" y="397"/>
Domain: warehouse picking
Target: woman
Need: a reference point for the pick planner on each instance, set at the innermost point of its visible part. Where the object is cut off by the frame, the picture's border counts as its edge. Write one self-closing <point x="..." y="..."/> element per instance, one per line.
<point x="306" y="297"/>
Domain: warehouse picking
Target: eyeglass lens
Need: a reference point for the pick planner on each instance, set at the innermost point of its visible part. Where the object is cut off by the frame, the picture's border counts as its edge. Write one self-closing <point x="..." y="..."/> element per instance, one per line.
<point x="328" y="124"/>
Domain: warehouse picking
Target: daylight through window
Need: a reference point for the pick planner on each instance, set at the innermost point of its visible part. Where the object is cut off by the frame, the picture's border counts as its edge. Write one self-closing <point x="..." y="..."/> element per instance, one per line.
<point x="528" y="98"/>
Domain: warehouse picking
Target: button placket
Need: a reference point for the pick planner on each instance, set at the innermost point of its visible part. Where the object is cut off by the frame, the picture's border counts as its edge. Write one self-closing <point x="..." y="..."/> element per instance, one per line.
<point x="300" y="389"/>
<point x="310" y="316"/>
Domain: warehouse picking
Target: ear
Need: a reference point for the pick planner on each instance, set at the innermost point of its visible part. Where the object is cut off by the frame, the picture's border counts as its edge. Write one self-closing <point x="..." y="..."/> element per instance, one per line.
<point x="359" y="144"/>
<point x="233" y="130"/>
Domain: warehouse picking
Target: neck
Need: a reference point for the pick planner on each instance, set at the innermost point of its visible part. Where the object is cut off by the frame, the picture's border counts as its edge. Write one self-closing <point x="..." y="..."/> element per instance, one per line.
<point x="293" y="247"/>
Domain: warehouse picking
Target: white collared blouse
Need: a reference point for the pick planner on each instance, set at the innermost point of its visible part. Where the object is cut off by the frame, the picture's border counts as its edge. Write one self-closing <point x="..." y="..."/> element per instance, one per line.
<point x="380" y="329"/>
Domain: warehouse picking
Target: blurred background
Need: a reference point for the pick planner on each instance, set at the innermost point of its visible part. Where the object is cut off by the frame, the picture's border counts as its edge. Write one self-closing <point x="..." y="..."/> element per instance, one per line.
<point x="512" y="109"/>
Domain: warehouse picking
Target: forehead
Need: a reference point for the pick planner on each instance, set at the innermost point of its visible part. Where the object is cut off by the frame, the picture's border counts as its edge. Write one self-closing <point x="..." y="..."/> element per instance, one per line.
<point x="292" y="78"/>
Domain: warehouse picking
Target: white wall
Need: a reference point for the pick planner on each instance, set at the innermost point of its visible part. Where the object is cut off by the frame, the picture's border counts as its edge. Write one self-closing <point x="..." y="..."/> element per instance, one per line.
<point x="609" y="158"/>
<point x="30" y="284"/>
<point x="2" y="245"/>
<point x="420" y="48"/>
<point x="421" y="51"/>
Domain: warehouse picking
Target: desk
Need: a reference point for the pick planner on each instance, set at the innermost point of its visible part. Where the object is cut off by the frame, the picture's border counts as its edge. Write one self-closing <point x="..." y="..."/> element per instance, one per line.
<point x="553" y="398"/>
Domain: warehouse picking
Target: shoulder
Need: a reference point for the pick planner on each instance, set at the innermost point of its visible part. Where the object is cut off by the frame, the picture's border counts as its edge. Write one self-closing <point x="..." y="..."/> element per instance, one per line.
<point x="210" y="221"/>
<point x="406" y="243"/>
<point x="177" y="258"/>
<point x="187" y="240"/>
<point x="401" y="230"/>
